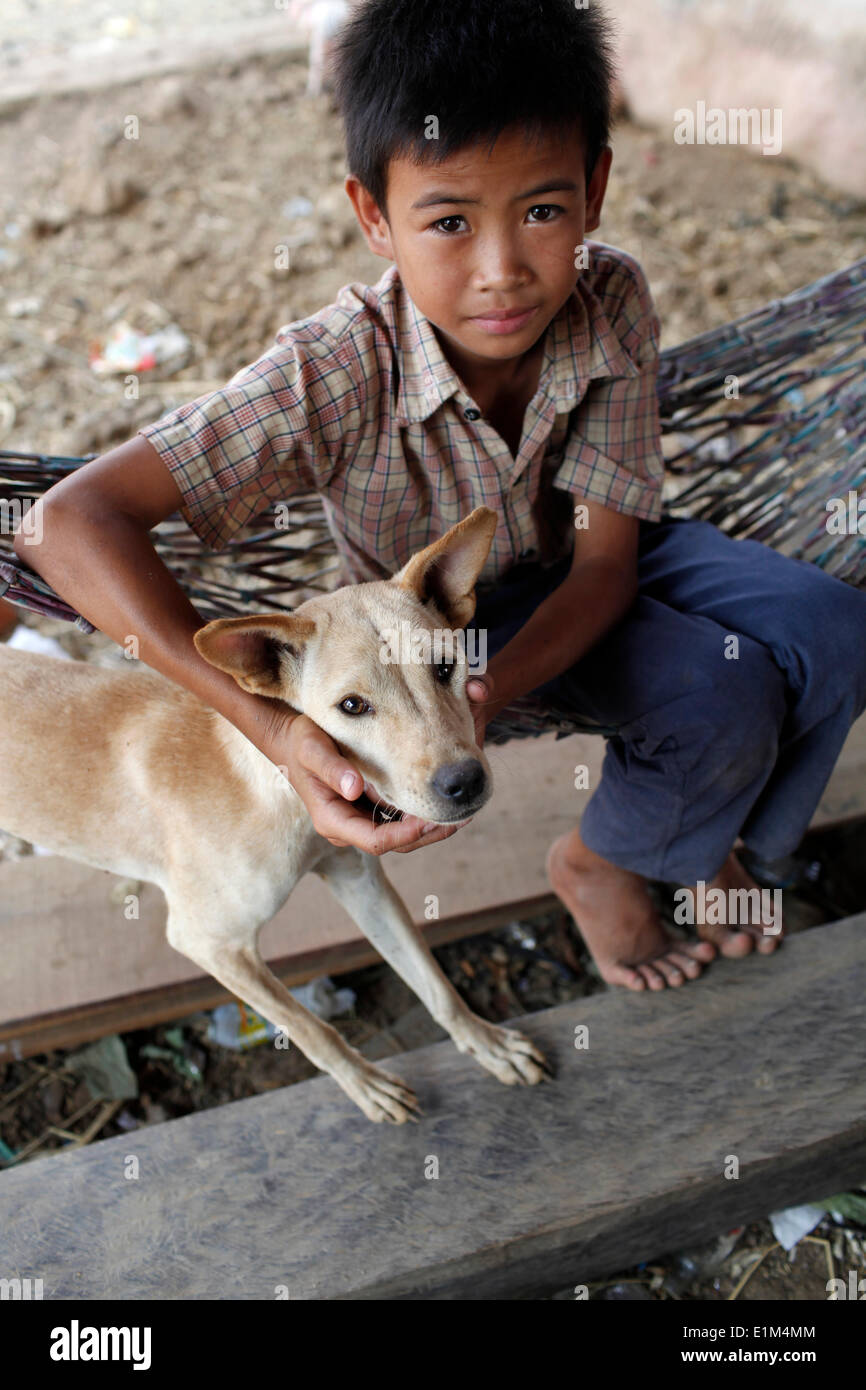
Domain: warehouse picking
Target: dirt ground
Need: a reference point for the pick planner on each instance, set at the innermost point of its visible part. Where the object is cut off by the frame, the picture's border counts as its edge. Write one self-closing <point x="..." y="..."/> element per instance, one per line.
<point x="178" y="226"/>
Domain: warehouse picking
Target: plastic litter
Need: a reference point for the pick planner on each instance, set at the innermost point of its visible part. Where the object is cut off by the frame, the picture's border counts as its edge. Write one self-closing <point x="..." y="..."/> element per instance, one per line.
<point x="25" y="306"/>
<point x="625" y="1293"/>
<point x="105" y="1069"/>
<point x="701" y="1262"/>
<point x="27" y="639"/>
<point x="792" y="1224"/>
<point x="127" y="350"/>
<point x="238" y="1027"/>
<point x="847" y="1206"/>
<point x="181" y="1054"/>
<point x="297" y="207"/>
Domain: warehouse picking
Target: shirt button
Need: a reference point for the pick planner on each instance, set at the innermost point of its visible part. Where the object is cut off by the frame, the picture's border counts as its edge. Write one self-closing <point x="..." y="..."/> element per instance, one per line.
<point x="471" y="413"/>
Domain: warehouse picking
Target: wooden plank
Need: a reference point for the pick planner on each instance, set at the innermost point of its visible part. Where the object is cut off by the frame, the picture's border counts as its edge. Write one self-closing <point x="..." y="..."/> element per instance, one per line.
<point x="26" y="1037"/>
<point x="60" y="985"/>
<point x="621" y="1158"/>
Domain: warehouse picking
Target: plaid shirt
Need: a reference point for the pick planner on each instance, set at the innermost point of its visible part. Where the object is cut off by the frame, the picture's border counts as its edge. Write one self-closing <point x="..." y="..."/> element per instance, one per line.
<point x="359" y="403"/>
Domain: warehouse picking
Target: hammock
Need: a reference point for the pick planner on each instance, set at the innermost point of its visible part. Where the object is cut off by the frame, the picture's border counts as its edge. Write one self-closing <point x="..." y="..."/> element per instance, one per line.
<point x="764" y="428"/>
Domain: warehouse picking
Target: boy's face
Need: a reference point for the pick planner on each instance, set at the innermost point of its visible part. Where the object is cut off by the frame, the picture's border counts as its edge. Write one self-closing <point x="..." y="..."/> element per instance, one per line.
<point x="488" y="231"/>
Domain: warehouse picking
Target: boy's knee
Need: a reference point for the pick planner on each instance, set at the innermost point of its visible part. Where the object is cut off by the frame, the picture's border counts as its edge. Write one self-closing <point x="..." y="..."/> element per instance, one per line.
<point x="834" y="642"/>
<point x="749" y="696"/>
<point x="740" y="718"/>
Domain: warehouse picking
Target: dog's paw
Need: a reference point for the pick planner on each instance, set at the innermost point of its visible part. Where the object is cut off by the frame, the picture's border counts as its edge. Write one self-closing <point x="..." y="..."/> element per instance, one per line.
<point x="510" y="1056"/>
<point x="381" y="1097"/>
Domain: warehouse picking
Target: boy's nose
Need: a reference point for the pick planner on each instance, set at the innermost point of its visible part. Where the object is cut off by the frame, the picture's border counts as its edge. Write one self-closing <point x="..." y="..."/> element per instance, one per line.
<point x="499" y="265"/>
<point x="460" y="782"/>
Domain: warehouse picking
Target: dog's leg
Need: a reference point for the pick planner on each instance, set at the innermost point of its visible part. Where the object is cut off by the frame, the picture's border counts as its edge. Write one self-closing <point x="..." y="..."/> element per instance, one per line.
<point x="230" y="953"/>
<point x="359" y="883"/>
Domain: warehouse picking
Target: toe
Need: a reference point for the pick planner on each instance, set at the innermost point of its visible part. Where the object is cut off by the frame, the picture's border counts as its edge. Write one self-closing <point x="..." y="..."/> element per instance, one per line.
<point x="625" y="975"/>
<point x="767" y="944"/>
<point x="691" y="968"/>
<point x="731" y="944"/>
<point x="702" y="951"/>
<point x="652" y="977"/>
<point x="670" y="970"/>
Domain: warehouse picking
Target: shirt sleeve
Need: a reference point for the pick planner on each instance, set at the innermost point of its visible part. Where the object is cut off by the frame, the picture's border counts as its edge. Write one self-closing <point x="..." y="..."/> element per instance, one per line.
<point x="269" y="434"/>
<point x="613" y="451"/>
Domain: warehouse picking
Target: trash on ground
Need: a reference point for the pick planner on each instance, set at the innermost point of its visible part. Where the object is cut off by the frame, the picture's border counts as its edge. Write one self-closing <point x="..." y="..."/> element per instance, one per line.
<point x="792" y="1224"/>
<point x="186" y="1059"/>
<point x="27" y="639"/>
<point x="126" y="350"/>
<point x="688" y="1267"/>
<point x="104" y="1068"/>
<point x="847" y="1206"/>
<point x="297" y="207"/>
<point x="238" y="1027"/>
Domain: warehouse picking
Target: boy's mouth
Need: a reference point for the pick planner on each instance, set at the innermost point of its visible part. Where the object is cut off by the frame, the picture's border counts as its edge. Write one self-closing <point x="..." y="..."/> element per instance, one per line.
<point x="504" y="320"/>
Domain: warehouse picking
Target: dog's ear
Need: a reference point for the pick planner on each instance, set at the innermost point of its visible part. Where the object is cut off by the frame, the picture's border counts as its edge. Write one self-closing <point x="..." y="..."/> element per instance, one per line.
<point x="446" y="571"/>
<point x="264" y="654"/>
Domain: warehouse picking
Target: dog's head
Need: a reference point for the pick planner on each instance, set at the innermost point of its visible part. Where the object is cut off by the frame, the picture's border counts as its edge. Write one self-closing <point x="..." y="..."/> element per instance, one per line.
<point x="382" y="668"/>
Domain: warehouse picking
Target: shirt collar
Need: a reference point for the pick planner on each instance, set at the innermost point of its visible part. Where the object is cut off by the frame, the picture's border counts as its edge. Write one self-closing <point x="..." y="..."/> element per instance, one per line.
<point x="580" y="345"/>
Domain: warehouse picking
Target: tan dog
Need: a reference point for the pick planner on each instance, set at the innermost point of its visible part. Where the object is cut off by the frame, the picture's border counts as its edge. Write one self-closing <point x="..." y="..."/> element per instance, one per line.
<point x="131" y="773"/>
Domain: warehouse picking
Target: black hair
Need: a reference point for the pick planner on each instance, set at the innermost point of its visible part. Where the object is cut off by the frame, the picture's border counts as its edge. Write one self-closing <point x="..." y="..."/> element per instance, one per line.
<point x="478" y="66"/>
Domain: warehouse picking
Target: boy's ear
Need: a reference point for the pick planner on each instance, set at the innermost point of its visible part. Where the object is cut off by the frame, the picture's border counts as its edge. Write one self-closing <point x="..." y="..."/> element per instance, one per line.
<point x="446" y="571"/>
<point x="371" y="219"/>
<point x="596" y="190"/>
<point x="264" y="654"/>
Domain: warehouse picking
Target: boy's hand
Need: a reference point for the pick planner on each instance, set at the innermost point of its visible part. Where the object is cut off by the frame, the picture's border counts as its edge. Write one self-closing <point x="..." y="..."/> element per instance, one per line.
<point x="480" y="692"/>
<point x="328" y="784"/>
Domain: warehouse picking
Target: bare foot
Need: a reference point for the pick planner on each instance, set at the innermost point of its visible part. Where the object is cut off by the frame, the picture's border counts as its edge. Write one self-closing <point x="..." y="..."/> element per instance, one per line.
<point x="746" y="934"/>
<point x="618" y="921"/>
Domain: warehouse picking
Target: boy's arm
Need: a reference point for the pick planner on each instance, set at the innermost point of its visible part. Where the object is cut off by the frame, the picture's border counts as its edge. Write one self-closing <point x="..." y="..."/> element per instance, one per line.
<point x="96" y="552"/>
<point x="599" y="589"/>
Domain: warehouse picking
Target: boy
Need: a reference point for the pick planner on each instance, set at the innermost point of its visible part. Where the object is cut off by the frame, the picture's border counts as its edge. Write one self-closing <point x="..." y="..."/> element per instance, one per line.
<point x="483" y="368"/>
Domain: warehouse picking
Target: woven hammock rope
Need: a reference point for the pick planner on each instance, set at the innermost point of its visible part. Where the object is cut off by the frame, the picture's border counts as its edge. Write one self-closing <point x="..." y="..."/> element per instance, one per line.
<point x="764" y="421"/>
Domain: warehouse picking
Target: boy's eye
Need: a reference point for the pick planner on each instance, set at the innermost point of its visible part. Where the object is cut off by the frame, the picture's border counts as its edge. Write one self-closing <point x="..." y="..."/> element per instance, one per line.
<point x="547" y="208"/>
<point x="441" y="227"/>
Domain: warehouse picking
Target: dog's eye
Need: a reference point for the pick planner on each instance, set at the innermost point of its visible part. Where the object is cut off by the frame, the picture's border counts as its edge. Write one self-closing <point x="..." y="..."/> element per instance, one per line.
<point x="353" y="704"/>
<point x="443" y="670"/>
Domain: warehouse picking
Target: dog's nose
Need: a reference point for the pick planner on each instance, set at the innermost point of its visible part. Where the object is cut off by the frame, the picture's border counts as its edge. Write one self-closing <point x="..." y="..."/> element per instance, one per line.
<point x="460" y="782"/>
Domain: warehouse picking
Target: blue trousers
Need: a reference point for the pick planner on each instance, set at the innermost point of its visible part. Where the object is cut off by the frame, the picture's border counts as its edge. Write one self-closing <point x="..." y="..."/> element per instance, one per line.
<point x="732" y="683"/>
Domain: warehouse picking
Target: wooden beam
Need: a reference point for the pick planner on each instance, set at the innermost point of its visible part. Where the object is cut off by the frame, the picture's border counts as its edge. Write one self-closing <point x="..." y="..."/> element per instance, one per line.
<point x="621" y="1158"/>
<point x="26" y="1037"/>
